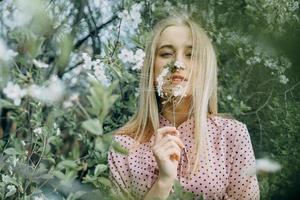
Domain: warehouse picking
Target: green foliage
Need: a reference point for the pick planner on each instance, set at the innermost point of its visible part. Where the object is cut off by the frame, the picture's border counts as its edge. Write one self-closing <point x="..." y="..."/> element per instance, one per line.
<point x="50" y="148"/>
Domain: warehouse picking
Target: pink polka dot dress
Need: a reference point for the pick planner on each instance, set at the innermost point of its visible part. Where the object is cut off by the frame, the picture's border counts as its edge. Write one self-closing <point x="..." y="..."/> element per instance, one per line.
<point x="230" y="155"/>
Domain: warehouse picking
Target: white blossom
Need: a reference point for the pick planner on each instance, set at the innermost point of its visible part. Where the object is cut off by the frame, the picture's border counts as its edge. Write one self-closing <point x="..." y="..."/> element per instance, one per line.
<point x="70" y="102"/>
<point x="136" y="59"/>
<point x="23" y="142"/>
<point x="5" y="53"/>
<point x="67" y="104"/>
<point x="160" y="81"/>
<point x="283" y="79"/>
<point x="179" y="65"/>
<point x="126" y="56"/>
<point x="38" y="131"/>
<point x="55" y="125"/>
<point x="229" y="97"/>
<point x="105" y="7"/>
<point x="14" y="92"/>
<point x="58" y="131"/>
<point x="179" y="90"/>
<point x="11" y="190"/>
<point x="40" y="64"/>
<point x="139" y="59"/>
<point x="272" y="64"/>
<point x="5" y="178"/>
<point x="48" y="94"/>
<point x="253" y="60"/>
<point x="23" y="12"/>
<point x="99" y="71"/>
<point x="130" y="19"/>
<point x="87" y="61"/>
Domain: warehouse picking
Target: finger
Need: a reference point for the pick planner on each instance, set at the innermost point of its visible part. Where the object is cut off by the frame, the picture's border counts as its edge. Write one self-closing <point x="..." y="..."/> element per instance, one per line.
<point x="165" y="152"/>
<point x="170" y="145"/>
<point x="161" y="132"/>
<point x="174" y="133"/>
<point x="176" y="139"/>
<point x="160" y="149"/>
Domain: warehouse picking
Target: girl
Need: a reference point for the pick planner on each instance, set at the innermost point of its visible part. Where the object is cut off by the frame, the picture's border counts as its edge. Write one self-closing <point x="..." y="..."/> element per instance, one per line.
<point x="177" y="133"/>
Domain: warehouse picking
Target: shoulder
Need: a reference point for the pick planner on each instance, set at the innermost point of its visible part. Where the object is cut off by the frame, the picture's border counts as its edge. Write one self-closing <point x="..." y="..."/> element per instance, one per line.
<point x="226" y="122"/>
<point x="229" y="128"/>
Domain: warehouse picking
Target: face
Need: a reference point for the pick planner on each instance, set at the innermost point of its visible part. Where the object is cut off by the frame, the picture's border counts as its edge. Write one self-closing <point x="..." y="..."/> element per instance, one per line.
<point x="175" y="44"/>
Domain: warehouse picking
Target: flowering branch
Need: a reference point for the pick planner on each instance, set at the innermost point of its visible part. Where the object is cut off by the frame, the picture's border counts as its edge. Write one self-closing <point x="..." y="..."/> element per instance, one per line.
<point x="93" y="32"/>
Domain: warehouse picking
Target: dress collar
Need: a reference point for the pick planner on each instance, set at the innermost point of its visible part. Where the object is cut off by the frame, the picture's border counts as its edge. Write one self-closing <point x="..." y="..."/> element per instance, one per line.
<point x="165" y="122"/>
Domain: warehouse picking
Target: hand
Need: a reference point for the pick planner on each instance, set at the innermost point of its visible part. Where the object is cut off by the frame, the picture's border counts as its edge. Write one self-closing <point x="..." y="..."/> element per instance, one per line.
<point x="166" y="149"/>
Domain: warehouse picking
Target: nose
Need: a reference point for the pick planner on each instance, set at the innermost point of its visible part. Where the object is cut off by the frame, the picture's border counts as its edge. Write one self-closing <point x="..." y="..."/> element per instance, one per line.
<point x="179" y="57"/>
<point x="179" y="62"/>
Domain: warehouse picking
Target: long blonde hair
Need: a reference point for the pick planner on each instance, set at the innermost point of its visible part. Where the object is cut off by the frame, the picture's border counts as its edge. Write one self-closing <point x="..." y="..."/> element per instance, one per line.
<point x="145" y="122"/>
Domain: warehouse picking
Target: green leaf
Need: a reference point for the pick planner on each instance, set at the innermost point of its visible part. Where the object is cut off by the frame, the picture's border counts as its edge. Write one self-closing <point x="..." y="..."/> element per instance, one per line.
<point x="66" y="164"/>
<point x="11" y="151"/>
<point x="104" y="181"/>
<point x="99" y="169"/>
<point x="99" y="144"/>
<point x="118" y="148"/>
<point x="7" y="180"/>
<point x="93" y="126"/>
<point x="6" y="104"/>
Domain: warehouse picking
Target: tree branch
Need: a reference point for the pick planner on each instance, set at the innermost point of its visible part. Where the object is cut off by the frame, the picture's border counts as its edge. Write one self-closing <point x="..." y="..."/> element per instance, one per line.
<point x="81" y="41"/>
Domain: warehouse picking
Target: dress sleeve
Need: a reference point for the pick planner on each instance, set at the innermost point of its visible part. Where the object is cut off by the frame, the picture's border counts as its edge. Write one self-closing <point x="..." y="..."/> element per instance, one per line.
<point x="119" y="169"/>
<point x="242" y="185"/>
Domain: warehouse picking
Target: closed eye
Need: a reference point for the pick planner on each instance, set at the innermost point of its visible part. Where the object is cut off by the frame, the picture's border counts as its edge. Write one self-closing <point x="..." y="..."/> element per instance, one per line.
<point x="166" y="54"/>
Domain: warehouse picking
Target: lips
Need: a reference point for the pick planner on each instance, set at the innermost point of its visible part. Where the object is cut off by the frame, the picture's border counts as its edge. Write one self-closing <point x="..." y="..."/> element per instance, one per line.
<point x="177" y="79"/>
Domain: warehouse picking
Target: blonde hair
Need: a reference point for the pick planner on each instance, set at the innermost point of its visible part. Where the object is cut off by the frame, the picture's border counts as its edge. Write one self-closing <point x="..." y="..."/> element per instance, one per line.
<point x="203" y="73"/>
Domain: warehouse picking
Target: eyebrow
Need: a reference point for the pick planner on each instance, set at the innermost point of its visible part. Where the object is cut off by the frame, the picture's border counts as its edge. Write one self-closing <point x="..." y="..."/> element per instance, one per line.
<point x="172" y="47"/>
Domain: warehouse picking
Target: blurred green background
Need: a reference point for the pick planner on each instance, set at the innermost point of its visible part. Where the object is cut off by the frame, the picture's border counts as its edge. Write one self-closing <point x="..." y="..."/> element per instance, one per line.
<point x="57" y="147"/>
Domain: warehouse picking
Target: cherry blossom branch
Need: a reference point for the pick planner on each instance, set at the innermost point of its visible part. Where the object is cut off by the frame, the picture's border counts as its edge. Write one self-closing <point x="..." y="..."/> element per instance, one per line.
<point x="82" y="40"/>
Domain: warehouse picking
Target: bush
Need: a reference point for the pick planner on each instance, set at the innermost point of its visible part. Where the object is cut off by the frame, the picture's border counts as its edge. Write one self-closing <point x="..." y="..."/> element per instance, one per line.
<point x="69" y="73"/>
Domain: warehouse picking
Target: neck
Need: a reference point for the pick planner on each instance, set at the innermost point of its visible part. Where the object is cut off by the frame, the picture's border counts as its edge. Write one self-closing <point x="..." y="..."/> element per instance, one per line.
<point x="177" y="113"/>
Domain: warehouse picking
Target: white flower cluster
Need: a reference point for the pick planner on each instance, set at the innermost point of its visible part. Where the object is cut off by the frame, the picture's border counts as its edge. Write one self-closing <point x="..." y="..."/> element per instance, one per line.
<point x="130" y="19"/>
<point x="98" y="69"/>
<point x="283" y="79"/>
<point x="58" y="131"/>
<point x="60" y="12"/>
<point x="5" y="53"/>
<point x="49" y="94"/>
<point x="105" y="7"/>
<point x="178" y="90"/>
<point x="38" y="131"/>
<point x="94" y="69"/>
<point x="11" y="190"/>
<point x="179" y="65"/>
<point x="14" y="92"/>
<point x="21" y="12"/>
<point x="160" y="81"/>
<point x="73" y="98"/>
<point x="253" y="60"/>
<point x="280" y="68"/>
<point x="137" y="58"/>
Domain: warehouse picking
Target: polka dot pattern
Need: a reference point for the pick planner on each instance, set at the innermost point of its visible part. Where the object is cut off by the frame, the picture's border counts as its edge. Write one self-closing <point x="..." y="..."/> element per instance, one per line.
<point x="229" y="155"/>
